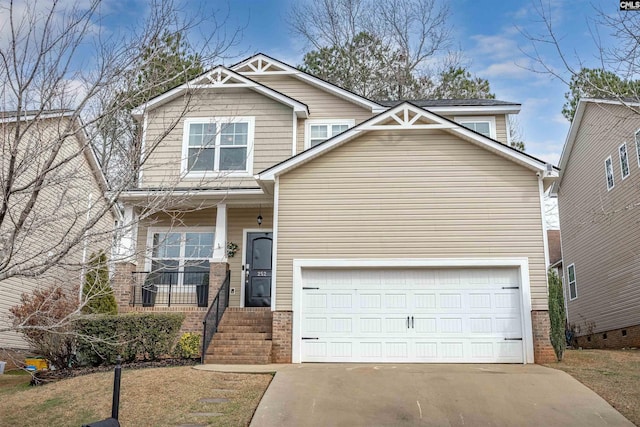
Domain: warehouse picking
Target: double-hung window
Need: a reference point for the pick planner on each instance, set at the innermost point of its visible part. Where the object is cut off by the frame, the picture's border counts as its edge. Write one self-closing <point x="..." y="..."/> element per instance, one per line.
<point x="571" y="275"/>
<point x="624" y="160"/>
<point x="608" y="169"/>
<point x="221" y="145"/>
<point x="483" y="125"/>
<point x="317" y="131"/>
<point x="180" y="257"/>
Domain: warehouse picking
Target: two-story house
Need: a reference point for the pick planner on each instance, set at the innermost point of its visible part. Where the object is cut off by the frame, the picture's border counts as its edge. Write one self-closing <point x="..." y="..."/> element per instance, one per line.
<point x="54" y="215"/>
<point x="347" y="230"/>
<point x="598" y="192"/>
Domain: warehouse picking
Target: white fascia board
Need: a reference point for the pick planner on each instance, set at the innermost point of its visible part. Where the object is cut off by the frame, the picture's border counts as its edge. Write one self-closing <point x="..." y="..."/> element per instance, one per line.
<point x="469" y="110"/>
<point x="42" y="116"/>
<point x="145" y="194"/>
<point x="289" y="70"/>
<point x="571" y="136"/>
<point x="301" y="109"/>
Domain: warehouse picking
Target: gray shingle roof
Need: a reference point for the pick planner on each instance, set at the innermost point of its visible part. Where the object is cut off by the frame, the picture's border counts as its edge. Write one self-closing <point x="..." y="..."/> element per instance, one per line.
<point x="426" y="103"/>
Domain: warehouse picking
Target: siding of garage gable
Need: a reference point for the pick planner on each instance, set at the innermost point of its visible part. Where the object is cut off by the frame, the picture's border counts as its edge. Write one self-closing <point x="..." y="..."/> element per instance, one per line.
<point x="409" y="194"/>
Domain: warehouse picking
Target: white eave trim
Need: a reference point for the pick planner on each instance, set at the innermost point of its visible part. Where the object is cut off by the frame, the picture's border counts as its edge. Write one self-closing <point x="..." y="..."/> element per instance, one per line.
<point x="289" y="70"/>
<point x="469" y="110"/>
<point x="299" y="108"/>
<point x="404" y="110"/>
<point x="145" y="194"/>
<point x="42" y="116"/>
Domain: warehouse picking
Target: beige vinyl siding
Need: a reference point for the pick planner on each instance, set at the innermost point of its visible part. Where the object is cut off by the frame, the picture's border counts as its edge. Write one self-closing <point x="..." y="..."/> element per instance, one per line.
<point x="413" y="194"/>
<point x="58" y="216"/>
<point x="600" y="232"/>
<point x="273" y="136"/>
<point x="238" y="219"/>
<point x="322" y="104"/>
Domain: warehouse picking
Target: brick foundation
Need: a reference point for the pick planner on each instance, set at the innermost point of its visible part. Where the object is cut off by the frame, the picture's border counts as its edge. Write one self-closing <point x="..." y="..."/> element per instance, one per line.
<point x="615" y="338"/>
<point x="282" y="332"/>
<point x="542" y="349"/>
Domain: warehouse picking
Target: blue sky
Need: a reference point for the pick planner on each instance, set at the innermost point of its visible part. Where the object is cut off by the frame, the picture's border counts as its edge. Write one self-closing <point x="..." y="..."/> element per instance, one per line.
<point x="488" y="32"/>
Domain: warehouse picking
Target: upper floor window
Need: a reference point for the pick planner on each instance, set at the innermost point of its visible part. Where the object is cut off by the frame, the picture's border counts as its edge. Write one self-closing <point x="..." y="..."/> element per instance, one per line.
<point x="317" y="131"/>
<point x="483" y="125"/>
<point x="221" y="144"/>
<point x="571" y="275"/>
<point x="624" y="160"/>
<point x="608" y="168"/>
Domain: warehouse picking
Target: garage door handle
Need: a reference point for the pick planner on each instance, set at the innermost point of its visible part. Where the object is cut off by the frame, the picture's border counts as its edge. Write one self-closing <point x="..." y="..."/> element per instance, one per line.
<point x="407" y="322"/>
<point x="412" y="322"/>
<point x="511" y="287"/>
<point x="513" y="339"/>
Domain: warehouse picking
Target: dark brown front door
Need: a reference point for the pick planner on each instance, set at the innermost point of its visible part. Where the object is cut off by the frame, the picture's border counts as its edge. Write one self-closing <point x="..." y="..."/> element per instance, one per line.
<point x="257" y="291"/>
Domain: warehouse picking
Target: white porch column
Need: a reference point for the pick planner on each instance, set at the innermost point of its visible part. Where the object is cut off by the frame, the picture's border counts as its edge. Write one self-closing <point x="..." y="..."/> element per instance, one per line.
<point x="128" y="234"/>
<point x="220" y="238"/>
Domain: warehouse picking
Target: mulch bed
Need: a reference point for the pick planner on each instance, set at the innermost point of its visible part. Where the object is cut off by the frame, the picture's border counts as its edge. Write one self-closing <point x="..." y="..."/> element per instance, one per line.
<point x="44" y="377"/>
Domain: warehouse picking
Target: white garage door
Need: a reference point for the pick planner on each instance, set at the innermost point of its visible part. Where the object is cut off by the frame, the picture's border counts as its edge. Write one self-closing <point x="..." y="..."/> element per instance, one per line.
<point x="411" y="315"/>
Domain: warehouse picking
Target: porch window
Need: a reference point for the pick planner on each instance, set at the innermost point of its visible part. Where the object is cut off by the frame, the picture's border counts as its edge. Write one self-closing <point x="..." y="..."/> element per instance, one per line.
<point x="181" y="258"/>
<point x="318" y="131"/>
<point x="218" y="145"/>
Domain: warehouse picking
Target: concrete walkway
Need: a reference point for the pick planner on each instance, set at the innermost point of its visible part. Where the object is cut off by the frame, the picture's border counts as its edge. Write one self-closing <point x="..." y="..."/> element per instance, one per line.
<point x="243" y="369"/>
<point x="430" y="395"/>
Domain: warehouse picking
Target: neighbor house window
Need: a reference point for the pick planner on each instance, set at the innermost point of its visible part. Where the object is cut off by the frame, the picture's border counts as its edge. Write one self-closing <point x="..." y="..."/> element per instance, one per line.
<point x="608" y="168"/>
<point x="483" y="125"/>
<point x="571" y="275"/>
<point x="217" y="145"/>
<point x="638" y="146"/>
<point x="180" y="257"/>
<point x="317" y="131"/>
<point x="624" y="160"/>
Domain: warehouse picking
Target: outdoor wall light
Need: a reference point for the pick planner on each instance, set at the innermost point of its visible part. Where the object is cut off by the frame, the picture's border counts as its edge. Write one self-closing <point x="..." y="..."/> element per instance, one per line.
<point x="259" y="219"/>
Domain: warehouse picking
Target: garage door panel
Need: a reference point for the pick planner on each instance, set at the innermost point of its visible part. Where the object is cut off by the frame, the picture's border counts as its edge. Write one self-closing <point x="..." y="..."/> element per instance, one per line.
<point x="412" y="315"/>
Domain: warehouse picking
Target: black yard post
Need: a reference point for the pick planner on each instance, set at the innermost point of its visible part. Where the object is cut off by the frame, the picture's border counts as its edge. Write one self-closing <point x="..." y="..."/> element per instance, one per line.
<point x="115" y="405"/>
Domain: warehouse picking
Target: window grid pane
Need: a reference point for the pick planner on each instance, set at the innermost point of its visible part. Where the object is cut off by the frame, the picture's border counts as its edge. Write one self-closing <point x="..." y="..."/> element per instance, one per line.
<point x="609" y="171"/>
<point x="624" y="161"/>
<point x="233" y="158"/>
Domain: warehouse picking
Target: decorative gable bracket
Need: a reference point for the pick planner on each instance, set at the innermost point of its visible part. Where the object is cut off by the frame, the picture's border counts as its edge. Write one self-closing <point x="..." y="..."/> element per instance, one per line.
<point x="408" y="117"/>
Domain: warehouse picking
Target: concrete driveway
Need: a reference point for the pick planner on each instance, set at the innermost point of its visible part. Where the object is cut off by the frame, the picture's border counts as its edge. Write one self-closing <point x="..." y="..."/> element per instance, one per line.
<point x="431" y="395"/>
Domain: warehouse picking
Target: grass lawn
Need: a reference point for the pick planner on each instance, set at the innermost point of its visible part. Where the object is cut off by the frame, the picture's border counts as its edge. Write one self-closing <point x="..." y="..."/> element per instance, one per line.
<point x="149" y="397"/>
<point x="613" y="374"/>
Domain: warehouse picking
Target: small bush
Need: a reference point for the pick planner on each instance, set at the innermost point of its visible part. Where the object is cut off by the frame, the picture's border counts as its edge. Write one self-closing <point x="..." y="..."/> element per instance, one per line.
<point x="145" y="336"/>
<point x="557" y="315"/>
<point x="97" y="292"/>
<point x="45" y="318"/>
<point x="189" y="346"/>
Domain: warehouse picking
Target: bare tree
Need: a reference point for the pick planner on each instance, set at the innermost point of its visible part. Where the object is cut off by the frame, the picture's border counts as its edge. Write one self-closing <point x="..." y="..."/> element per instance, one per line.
<point x="61" y="69"/>
<point x="415" y="31"/>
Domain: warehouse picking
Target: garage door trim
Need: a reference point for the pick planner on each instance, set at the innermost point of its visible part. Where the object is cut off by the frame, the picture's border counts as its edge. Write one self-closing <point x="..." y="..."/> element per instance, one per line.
<point x="521" y="263"/>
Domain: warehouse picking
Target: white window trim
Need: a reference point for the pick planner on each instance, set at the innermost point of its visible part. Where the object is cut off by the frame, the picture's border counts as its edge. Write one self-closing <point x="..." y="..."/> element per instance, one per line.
<point x="308" y="123"/>
<point x="637" y="141"/>
<point x="624" y="144"/>
<point x="575" y="281"/>
<point x="218" y="121"/>
<point x="475" y="119"/>
<point x="153" y="230"/>
<point x="606" y="174"/>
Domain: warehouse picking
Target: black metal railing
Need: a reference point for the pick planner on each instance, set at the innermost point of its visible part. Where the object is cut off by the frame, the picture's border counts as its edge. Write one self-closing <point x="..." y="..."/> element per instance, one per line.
<point x="167" y="288"/>
<point x="214" y="315"/>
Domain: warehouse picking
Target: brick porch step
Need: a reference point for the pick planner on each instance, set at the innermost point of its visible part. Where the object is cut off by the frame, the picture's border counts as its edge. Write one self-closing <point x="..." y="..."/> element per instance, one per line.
<point x="243" y="337"/>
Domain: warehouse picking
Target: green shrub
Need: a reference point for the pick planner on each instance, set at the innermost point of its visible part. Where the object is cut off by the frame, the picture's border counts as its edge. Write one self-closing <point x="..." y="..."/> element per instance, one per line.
<point x="145" y="336"/>
<point x="189" y="346"/>
<point x="96" y="291"/>
<point x="557" y="315"/>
